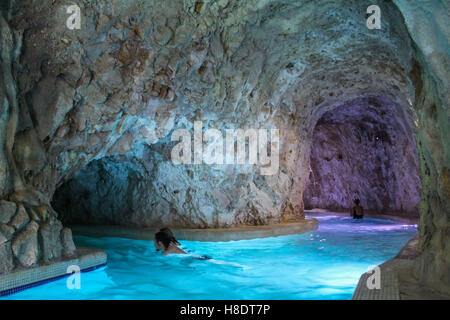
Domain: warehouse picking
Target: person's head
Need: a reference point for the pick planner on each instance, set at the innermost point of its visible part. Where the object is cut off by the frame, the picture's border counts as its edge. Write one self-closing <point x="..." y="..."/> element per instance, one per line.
<point x="356" y="201"/>
<point x="162" y="240"/>
<point x="170" y="234"/>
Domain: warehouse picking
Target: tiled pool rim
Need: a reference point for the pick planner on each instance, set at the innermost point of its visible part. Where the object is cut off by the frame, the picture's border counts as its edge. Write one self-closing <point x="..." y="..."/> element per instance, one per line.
<point x="388" y="290"/>
<point x="88" y="260"/>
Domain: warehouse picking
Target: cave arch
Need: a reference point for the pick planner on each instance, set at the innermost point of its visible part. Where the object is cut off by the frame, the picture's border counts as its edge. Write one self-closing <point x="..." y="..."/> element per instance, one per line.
<point x="66" y="113"/>
<point x="102" y="193"/>
<point x="366" y="149"/>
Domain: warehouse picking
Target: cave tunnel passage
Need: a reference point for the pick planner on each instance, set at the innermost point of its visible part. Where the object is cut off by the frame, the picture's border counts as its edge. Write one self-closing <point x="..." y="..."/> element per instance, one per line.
<point x="364" y="149"/>
<point x="135" y="189"/>
<point x="107" y="191"/>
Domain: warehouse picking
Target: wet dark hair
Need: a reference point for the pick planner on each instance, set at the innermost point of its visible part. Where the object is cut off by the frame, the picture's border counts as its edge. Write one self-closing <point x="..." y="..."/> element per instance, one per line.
<point x="166" y="230"/>
<point x="356" y="201"/>
<point x="170" y="234"/>
<point x="164" y="238"/>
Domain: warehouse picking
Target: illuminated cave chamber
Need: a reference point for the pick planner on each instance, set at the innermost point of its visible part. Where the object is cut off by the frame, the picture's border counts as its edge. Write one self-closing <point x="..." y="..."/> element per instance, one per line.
<point x="129" y="189"/>
<point x="134" y="73"/>
<point x="364" y="149"/>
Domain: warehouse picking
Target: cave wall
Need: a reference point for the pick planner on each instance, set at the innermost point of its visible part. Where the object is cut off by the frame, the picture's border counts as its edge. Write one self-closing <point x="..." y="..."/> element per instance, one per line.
<point x="136" y="70"/>
<point x="427" y="22"/>
<point x="292" y="71"/>
<point x="124" y="86"/>
<point x="104" y="192"/>
<point x="144" y="188"/>
<point x="30" y="232"/>
<point x="364" y="150"/>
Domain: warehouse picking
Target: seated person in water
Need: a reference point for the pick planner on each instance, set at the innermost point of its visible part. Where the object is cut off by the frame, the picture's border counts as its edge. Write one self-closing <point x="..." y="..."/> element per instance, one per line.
<point x="357" y="210"/>
<point x="164" y="240"/>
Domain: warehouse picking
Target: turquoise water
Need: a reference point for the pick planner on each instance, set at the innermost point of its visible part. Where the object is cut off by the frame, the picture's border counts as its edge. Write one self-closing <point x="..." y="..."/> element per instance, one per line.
<point x="324" y="264"/>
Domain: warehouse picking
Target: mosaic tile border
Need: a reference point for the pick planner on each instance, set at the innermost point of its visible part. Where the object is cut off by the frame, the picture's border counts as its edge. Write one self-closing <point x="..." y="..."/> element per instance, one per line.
<point x="389" y="289"/>
<point x="88" y="260"/>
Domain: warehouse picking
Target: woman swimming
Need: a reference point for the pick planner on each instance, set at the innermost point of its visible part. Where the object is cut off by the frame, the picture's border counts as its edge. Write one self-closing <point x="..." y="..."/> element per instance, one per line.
<point x="165" y="240"/>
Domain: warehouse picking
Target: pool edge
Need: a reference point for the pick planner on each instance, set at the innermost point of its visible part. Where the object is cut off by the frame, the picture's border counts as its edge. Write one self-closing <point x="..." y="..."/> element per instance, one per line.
<point x="209" y="235"/>
<point x="88" y="259"/>
<point x="397" y="279"/>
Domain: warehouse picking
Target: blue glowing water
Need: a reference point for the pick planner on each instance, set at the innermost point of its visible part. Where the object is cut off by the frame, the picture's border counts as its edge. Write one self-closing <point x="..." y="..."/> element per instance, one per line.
<point x="324" y="264"/>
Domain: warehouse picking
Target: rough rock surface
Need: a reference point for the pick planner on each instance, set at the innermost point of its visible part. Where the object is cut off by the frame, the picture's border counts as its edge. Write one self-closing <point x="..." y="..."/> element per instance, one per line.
<point x="68" y="247"/>
<point x="49" y="239"/>
<point x="25" y="245"/>
<point x="113" y="92"/>
<point x="146" y="72"/>
<point x="7" y="211"/>
<point x="369" y="155"/>
<point x="431" y="79"/>
<point x="6" y="257"/>
<point x="21" y="218"/>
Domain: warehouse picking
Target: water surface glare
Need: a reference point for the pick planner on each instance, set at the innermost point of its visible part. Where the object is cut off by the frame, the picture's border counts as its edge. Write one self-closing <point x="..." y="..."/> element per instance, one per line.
<point x="324" y="264"/>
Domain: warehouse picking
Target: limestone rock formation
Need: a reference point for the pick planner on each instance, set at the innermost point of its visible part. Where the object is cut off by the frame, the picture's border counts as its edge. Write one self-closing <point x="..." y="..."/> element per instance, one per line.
<point x="6" y="257"/>
<point x="432" y="96"/>
<point x="68" y="247"/>
<point x="7" y="231"/>
<point x="21" y="218"/>
<point x="367" y="155"/>
<point x="92" y="111"/>
<point x="187" y="66"/>
<point x="7" y="211"/>
<point x="50" y="241"/>
<point x="25" y="245"/>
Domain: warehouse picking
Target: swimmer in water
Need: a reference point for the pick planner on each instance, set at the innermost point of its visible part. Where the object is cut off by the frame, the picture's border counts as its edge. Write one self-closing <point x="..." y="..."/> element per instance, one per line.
<point x="170" y="234"/>
<point x="165" y="240"/>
